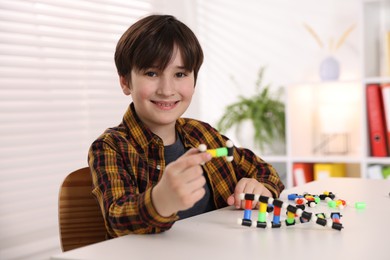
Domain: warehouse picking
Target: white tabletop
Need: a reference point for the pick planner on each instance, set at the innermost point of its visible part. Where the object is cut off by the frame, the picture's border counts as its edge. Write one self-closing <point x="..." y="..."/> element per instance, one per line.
<point x="216" y="235"/>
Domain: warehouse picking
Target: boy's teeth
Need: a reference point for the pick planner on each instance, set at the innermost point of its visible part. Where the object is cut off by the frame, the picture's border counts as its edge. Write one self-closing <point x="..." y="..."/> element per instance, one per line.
<point x="165" y="104"/>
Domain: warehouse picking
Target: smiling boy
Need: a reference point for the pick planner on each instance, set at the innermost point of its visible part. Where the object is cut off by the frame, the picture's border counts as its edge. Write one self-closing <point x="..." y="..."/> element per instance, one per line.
<point x="147" y="172"/>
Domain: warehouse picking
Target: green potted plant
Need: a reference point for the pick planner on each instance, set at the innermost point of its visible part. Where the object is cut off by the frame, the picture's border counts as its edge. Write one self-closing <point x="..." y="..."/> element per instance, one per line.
<point x="265" y="111"/>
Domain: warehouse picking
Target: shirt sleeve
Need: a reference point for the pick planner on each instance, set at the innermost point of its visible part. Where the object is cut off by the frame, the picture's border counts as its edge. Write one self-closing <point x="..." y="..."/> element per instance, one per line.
<point x="124" y="209"/>
<point x="249" y="165"/>
<point x="246" y="164"/>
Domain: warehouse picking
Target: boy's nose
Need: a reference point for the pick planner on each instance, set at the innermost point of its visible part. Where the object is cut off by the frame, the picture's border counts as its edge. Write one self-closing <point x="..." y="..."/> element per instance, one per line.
<point x="166" y="87"/>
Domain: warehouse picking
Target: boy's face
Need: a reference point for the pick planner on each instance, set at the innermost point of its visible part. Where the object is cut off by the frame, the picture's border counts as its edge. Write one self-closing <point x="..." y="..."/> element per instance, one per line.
<point x="161" y="97"/>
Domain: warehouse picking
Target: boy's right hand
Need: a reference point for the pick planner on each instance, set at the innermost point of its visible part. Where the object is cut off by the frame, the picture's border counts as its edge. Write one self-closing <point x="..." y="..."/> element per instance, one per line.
<point x="181" y="184"/>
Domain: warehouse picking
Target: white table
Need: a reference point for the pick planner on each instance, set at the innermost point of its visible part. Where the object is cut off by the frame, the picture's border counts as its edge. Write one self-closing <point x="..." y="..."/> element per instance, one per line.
<point x="216" y="235"/>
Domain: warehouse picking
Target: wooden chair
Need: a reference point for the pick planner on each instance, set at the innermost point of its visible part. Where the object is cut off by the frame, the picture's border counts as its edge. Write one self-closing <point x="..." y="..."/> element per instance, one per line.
<point x="80" y="219"/>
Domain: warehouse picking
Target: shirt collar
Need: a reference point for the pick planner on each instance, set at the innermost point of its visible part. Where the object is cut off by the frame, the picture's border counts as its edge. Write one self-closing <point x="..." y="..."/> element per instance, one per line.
<point x="185" y="132"/>
<point x="137" y="130"/>
<point x="141" y="134"/>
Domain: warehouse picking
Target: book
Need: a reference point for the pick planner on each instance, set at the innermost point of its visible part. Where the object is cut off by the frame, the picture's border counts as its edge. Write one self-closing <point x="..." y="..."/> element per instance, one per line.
<point x="327" y="170"/>
<point x="386" y="172"/>
<point x="376" y="121"/>
<point x="378" y="172"/>
<point x="302" y="173"/>
<point x="375" y="172"/>
<point x="386" y="56"/>
<point x="386" y="110"/>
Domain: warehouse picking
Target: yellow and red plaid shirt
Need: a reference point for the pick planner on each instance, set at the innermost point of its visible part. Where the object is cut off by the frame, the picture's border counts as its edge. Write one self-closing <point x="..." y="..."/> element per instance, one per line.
<point x="127" y="161"/>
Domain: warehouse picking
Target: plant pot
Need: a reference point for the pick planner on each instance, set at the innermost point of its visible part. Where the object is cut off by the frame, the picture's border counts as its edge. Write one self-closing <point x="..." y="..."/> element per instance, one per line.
<point x="245" y="135"/>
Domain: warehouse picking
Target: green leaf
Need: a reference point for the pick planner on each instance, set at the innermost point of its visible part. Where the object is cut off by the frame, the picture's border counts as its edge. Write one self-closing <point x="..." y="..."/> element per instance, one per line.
<point x="264" y="109"/>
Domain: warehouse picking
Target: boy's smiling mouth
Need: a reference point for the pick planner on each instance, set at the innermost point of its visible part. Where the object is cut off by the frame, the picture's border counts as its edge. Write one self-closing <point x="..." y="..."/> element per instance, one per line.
<point x="165" y="105"/>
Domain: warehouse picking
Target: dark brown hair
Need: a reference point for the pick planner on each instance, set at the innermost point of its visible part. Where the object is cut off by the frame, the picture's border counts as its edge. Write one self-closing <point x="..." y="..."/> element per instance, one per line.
<point x="150" y="42"/>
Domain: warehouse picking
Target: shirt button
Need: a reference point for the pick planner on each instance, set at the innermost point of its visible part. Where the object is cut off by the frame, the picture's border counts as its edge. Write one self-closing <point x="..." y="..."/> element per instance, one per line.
<point x="158" y="167"/>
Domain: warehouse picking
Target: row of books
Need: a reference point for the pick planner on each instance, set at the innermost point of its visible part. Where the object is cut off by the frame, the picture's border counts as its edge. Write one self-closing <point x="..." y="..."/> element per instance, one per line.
<point x="377" y="171"/>
<point x="306" y="172"/>
<point x="378" y="119"/>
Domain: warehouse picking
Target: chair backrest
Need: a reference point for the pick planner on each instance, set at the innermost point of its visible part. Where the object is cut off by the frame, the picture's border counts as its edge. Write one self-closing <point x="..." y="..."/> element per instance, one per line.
<point x="80" y="219"/>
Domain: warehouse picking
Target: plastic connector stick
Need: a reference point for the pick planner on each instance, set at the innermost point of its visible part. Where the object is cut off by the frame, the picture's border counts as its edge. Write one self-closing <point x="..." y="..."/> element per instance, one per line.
<point x="247" y="214"/>
<point x="262" y="216"/>
<point x="321" y="221"/>
<point x="219" y="152"/>
<point x="277" y="208"/>
<point x="245" y="222"/>
<point x="330" y="220"/>
<point x="290" y="218"/>
<point x="360" y="205"/>
<point x="261" y="224"/>
<point x="293" y="196"/>
<point x="248" y="209"/>
<point x="247" y="196"/>
<point x="335" y="216"/>
<point x="291" y="208"/>
<point x="248" y="204"/>
<point x="337" y="226"/>
<point x="332" y="204"/>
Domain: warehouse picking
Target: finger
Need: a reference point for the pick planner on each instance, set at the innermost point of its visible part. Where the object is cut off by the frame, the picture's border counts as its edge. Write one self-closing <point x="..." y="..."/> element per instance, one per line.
<point x="254" y="187"/>
<point x="247" y="185"/>
<point x="198" y="195"/>
<point x="197" y="184"/>
<point x="259" y="189"/>
<point x="191" y="151"/>
<point x="190" y="174"/>
<point x="192" y="195"/>
<point x="236" y="195"/>
<point x="262" y="190"/>
<point x="230" y="200"/>
<point x="192" y="158"/>
<point x="243" y="186"/>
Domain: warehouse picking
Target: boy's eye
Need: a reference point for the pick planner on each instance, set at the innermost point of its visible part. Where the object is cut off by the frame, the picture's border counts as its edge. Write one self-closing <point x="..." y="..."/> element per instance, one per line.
<point x="151" y="74"/>
<point x="180" y="75"/>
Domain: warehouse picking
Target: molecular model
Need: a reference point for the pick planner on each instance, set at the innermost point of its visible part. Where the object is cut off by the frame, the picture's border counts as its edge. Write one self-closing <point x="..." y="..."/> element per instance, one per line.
<point x="268" y="205"/>
<point x="220" y="152"/>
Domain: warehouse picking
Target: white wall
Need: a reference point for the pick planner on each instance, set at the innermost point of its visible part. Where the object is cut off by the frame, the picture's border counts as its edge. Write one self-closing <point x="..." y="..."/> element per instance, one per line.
<point x="237" y="36"/>
<point x="240" y="36"/>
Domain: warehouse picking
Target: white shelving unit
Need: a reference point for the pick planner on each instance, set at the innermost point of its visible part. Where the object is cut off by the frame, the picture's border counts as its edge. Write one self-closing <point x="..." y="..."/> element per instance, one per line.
<point x="376" y="22"/>
<point x="308" y="107"/>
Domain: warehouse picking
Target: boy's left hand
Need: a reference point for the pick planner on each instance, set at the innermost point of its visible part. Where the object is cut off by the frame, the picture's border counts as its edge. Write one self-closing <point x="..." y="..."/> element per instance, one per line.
<point x="247" y="185"/>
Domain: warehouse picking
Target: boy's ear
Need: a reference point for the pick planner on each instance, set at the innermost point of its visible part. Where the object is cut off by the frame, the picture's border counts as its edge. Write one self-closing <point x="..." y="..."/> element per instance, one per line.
<point x="125" y="85"/>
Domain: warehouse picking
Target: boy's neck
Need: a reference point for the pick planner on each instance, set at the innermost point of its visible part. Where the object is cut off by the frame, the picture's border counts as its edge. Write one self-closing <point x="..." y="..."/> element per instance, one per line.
<point x="167" y="134"/>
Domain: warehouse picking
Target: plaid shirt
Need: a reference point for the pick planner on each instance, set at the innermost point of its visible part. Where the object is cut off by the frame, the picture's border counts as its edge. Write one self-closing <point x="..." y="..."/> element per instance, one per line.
<point x="127" y="161"/>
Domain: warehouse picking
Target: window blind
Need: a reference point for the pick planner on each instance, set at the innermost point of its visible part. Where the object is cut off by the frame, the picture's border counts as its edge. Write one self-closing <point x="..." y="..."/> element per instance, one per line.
<point x="58" y="91"/>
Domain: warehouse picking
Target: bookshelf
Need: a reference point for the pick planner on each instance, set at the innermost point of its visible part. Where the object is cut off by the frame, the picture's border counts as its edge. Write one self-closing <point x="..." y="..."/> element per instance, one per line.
<point x="376" y="23"/>
<point x="326" y="128"/>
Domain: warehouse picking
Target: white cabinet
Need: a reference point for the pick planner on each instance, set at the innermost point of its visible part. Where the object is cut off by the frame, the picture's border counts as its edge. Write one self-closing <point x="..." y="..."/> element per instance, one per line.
<point x="375" y="67"/>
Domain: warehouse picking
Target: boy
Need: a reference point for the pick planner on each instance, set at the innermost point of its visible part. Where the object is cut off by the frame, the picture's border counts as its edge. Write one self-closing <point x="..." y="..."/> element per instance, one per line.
<point x="147" y="172"/>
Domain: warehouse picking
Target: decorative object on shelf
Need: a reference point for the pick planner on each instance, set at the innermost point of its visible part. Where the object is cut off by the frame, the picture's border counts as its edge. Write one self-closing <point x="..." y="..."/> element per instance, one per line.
<point x="331" y="144"/>
<point x="334" y="128"/>
<point x="329" y="67"/>
<point x="264" y="110"/>
<point x="336" y="117"/>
